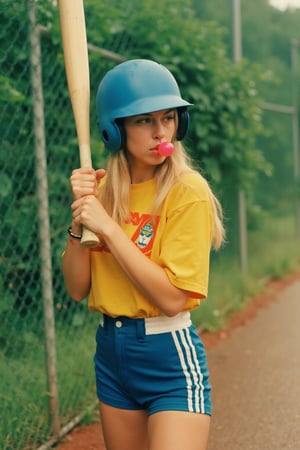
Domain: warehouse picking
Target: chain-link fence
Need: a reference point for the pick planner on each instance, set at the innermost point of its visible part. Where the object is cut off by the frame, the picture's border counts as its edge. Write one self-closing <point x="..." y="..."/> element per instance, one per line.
<point x="38" y="151"/>
<point x="46" y="340"/>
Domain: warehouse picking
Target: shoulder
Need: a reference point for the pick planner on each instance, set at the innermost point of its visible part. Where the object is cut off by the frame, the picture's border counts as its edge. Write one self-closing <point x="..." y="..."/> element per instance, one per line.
<point x="192" y="186"/>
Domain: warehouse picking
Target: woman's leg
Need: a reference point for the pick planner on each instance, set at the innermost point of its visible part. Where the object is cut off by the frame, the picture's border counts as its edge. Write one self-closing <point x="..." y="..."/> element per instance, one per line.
<point x="178" y="430"/>
<point x="124" y="429"/>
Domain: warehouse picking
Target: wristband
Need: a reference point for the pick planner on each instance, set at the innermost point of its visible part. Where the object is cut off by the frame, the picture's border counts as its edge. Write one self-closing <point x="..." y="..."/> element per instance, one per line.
<point x="73" y="235"/>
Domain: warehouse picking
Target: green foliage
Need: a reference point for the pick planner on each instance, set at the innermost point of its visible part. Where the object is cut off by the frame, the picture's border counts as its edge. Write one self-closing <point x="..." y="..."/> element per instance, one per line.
<point x="226" y="118"/>
<point x="273" y="254"/>
<point x="193" y="39"/>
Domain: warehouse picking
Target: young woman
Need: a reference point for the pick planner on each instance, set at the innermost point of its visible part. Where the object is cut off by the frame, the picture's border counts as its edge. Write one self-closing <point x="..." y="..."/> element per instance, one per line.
<point x="157" y="220"/>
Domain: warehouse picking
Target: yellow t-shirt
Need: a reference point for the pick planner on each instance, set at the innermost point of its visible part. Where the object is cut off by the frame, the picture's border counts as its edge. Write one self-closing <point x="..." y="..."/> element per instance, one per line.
<point x="179" y="240"/>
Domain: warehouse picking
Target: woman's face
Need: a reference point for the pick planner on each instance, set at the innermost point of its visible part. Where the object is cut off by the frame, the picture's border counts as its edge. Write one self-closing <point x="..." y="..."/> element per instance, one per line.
<point x="143" y="135"/>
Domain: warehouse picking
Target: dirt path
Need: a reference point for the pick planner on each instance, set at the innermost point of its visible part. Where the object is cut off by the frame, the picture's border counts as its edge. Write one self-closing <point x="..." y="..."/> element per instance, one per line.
<point x="255" y="376"/>
<point x="255" y="373"/>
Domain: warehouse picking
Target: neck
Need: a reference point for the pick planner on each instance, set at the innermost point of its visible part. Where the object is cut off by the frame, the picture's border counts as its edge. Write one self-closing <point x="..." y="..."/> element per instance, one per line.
<point x="141" y="175"/>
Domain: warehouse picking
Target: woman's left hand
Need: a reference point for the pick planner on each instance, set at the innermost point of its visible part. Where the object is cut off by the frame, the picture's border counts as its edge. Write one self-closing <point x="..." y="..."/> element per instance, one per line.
<point x="88" y="211"/>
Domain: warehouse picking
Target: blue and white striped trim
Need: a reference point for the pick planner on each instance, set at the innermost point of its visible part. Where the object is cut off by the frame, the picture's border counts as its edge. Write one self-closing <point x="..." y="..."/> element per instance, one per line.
<point x="191" y="369"/>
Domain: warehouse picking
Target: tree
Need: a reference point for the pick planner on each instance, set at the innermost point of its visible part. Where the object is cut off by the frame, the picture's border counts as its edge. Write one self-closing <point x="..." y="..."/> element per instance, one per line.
<point x="222" y="92"/>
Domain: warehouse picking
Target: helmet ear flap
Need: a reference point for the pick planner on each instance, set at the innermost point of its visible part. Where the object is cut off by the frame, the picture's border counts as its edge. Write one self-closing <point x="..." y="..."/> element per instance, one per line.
<point x="183" y="123"/>
<point x="113" y="135"/>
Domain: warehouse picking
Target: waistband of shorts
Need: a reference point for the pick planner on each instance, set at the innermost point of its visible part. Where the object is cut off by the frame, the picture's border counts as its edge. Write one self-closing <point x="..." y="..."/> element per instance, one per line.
<point x="165" y="324"/>
<point x="153" y="325"/>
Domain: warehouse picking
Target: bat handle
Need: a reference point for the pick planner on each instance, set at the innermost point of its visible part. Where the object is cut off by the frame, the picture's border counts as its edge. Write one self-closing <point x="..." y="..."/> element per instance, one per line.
<point x="89" y="238"/>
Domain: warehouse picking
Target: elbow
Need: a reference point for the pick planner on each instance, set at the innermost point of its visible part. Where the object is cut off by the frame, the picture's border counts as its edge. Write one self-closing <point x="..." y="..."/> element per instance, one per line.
<point x="175" y="306"/>
<point x="171" y="312"/>
<point x="78" y="289"/>
<point x="77" y="294"/>
<point x="77" y="298"/>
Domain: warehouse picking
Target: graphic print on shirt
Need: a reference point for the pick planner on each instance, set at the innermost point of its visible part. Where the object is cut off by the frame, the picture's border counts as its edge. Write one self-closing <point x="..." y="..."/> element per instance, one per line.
<point x="143" y="237"/>
<point x="145" y="232"/>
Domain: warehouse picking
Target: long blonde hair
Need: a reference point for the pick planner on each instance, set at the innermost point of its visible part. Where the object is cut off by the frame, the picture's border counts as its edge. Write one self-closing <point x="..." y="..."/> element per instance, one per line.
<point x="115" y="192"/>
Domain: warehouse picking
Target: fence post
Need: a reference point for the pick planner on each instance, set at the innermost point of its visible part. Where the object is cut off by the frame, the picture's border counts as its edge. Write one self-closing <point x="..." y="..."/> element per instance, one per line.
<point x="43" y="213"/>
<point x="294" y="58"/>
<point x="237" y="55"/>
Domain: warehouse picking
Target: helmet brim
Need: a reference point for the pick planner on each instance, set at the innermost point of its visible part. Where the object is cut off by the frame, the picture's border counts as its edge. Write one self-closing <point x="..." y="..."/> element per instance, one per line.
<point x="151" y="104"/>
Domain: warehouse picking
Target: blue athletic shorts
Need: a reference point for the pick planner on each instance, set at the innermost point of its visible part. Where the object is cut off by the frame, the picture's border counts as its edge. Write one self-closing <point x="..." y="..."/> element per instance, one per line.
<point x="156" y="364"/>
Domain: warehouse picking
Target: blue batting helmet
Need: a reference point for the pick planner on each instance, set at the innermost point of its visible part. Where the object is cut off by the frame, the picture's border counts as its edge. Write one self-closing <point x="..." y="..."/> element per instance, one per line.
<point x="136" y="87"/>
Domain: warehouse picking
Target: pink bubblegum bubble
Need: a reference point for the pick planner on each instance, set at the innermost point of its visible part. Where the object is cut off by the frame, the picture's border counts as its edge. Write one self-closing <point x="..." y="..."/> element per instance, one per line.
<point x="165" y="149"/>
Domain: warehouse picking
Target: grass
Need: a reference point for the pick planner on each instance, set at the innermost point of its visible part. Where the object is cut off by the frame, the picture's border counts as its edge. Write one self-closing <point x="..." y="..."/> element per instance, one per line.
<point x="273" y="252"/>
<point x="23" y="398"/>
<point x="23" y="392"/>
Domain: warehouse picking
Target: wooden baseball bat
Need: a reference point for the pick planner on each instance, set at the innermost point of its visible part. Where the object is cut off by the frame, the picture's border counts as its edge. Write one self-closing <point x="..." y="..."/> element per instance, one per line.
<point x="74" y="41"/>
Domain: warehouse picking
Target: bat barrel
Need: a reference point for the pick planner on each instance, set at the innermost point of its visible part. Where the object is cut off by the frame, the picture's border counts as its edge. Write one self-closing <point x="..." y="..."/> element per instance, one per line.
<point x="77" y="72"/>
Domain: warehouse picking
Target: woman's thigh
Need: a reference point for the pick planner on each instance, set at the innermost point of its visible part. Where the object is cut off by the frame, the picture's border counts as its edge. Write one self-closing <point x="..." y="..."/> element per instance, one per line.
<point x="124" y="429"/>
<point x="178" y="430"/>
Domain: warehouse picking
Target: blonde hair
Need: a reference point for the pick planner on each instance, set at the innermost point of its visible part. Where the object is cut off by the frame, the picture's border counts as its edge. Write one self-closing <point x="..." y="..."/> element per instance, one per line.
<point x="116" y="190"/>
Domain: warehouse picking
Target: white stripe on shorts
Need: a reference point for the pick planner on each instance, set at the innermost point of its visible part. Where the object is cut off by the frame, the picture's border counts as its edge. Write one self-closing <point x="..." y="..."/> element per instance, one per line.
<point x="191" y="369"/>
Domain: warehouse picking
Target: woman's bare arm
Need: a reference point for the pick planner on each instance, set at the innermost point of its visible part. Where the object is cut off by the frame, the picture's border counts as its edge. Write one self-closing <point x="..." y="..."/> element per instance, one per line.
<point x="147" y="276"/>
<point x="76" y="269"/>
<point x="76" y="259"/>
